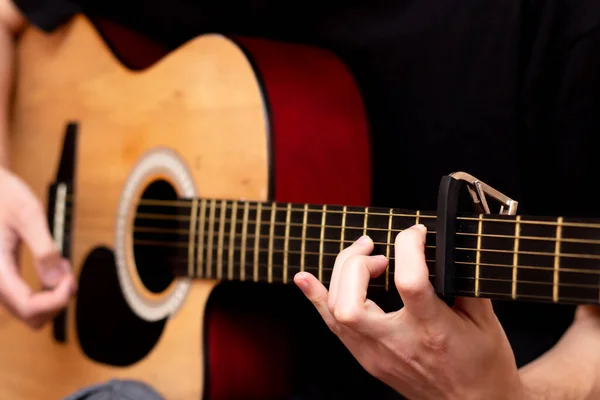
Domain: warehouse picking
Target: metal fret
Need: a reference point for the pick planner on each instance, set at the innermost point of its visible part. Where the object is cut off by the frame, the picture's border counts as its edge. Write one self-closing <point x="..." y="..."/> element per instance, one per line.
<point x="286" y="242"/>
<point x="555" y="280"/>
<point x="220" y="239"/>
<point x="271" y="233"/>
<point x="322" y="236"/>
<point x="303" y="240"/>
<point x="232" y="239"/>
<point x="200" y="268"/>
<point x="244" y="238"/>
<point x="365" y="221"/>
<point x="417" y="217"/>
<point x="478" y="256"/>
<point x="192" y="236"/>
<point x="387" y="250"/>
<point x="257" y="239"/>
<point x="343" y="230"/>
<point x="516" y="257"/>
<point x="211" y="235"/>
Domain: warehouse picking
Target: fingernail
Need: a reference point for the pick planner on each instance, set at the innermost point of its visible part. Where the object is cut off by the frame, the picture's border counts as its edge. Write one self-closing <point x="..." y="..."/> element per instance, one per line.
<point x="302" y="284"/>
<point x="364" y="240"/>
<point x="53" y="269"/>
<point x="52" y="275"/>
<point x="421" y="228"/>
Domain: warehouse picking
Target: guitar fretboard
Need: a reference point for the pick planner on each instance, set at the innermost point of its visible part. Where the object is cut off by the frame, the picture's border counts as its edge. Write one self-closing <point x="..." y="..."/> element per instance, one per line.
<point x="515" y="257"/>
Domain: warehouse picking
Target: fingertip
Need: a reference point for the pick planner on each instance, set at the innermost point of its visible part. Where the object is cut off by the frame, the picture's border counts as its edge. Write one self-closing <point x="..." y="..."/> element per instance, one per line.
<point x="416" y="232"/>
<point x="380" y="258"/>
<point x="301" y="280"/>
<point x="422" y="229"/>
<point x="52" y="268"/>
<point x="364" y="240"/>
<point x="308" y="283"/>
<point x="378" y="265"/>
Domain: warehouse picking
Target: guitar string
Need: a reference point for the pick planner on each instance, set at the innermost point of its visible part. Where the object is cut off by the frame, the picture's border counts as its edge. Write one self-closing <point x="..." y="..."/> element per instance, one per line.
<point x="184" y="243"/>
<point x="236" y="267"/>
<point x="318" y="210"/>
<point x="474" y="234"/>
<point x="581" y="255"/>
<point x="487" y="218"/>
<point x="508" y="219"/>
<point x="521" y="238"/>
<point x="217" y="206"/>
<point x="148" y="216"/>
<point x="482" y="265"/>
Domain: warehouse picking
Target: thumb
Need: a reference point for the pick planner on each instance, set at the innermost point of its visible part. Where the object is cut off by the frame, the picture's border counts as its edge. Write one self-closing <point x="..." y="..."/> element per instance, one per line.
<point x="28" y="220"/>
<point x="43" y="306"/>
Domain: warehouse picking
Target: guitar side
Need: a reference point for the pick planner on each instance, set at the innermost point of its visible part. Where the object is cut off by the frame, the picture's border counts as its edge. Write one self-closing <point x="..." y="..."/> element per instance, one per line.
<point x="245" y="122"/>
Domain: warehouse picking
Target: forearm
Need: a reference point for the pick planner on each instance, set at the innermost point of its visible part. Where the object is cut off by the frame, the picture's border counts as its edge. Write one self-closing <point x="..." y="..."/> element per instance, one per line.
<point x="570" y="370"/>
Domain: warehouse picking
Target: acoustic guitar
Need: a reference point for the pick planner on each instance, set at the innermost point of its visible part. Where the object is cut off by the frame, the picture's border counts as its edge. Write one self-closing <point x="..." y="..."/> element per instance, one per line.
<point x="182" y="191"/>
<point x="118" y="153"/>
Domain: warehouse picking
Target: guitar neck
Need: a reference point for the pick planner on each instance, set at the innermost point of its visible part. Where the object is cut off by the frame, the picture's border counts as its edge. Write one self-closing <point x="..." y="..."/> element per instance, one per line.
<point x="496" y="256"/>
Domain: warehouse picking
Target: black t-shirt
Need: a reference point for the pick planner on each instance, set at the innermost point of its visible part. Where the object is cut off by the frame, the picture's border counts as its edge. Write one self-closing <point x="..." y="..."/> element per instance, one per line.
<point x="508" y="90"/>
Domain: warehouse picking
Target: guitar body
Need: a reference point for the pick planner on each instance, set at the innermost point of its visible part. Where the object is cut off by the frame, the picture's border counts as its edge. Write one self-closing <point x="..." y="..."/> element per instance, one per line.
<point x="217" y="118"/>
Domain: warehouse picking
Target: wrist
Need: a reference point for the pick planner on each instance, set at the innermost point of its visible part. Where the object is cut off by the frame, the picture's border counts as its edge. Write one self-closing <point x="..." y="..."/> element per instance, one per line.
<point x="536" y="387"/>
<point x="530" y="392"/>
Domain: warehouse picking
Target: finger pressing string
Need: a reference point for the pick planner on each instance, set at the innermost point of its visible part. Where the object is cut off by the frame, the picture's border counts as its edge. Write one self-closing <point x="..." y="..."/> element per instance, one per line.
<point x="363" y="246"/>
<point x="412" y="275"/>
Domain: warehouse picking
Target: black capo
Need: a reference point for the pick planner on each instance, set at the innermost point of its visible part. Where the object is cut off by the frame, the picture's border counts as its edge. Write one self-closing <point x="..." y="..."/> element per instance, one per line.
<point x="447" y="208"/>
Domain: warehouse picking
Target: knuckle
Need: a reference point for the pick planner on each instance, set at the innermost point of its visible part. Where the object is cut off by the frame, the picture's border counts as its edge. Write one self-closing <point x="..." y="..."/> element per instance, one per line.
<point x="317" y="299"/>
<point x="436" y="341"/>
<point x="354" y="263"/>
<point x="25" y="315"/>
<point x="346" y="315"/>
<point x="408" y="356"/>
<point x="344" y="252"/>
<point x="410" y="287"/>
<point x="335" y="328"/>
<point x="344" y="255"/>
<point x="355" y="248"/>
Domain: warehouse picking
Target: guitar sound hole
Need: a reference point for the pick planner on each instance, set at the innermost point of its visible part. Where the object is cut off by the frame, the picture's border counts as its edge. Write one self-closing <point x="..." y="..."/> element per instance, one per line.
<point x="156" y="233"/>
